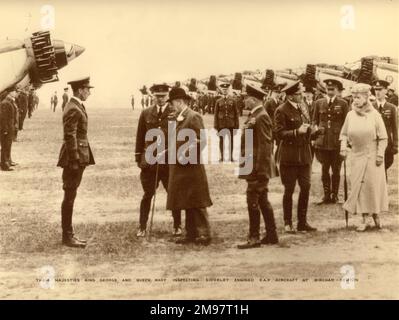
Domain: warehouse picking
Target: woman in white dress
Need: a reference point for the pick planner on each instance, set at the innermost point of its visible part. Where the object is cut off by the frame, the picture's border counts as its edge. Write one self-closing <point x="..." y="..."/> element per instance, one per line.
<point x="365" y="132"/>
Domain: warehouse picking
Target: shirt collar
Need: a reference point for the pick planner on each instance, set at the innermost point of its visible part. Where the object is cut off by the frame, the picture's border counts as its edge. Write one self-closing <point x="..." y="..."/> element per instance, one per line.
<point x="331" y="99"/>
<point x="295" y="105"/>
<point x="256" y="108"/>
<point x="381" y="103"/>
<point x="162" y="107"/>
<point x="77" y="99"/>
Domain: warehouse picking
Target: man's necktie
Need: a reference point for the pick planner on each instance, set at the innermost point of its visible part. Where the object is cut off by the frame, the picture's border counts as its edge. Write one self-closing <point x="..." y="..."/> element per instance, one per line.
<point x="159" y="112"/>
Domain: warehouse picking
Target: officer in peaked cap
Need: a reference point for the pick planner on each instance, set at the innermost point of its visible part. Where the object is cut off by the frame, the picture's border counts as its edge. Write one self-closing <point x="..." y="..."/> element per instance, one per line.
<point x="257" y="179"/>
<point x="75" y="155"/>
<point x="226" y="120"/>
<point x="154" y="117"/>
<point x="388" y="112"/>
<point x="294" y="155"/>
<point x="273" y="101"/>
<point x="329" y="116"/>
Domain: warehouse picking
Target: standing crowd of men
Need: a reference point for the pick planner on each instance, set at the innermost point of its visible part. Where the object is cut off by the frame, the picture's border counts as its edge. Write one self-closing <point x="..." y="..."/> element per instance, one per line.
<point x="19" y="103"/>
<point x="292" y="124"/>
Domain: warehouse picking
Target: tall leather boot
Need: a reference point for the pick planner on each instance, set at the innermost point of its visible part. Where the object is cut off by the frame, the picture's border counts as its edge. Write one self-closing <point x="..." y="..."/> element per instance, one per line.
<point x="270" y="224"/>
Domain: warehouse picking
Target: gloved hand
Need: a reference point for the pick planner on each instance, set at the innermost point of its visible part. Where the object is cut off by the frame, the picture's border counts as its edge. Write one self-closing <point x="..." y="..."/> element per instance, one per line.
<point x="343" y="154"/>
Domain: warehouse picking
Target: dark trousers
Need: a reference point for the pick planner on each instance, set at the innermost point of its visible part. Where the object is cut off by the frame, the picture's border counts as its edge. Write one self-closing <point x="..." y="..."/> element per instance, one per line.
<point x="257" y="203"/>
<point x="71" y="180"/>
<point x="22" y="117"/>
<point x="289" y="176"/>
<point x="224" y="138"/>
<point x="6" y="142"/>
<point x="147" y="178"/>
<point x="330" y="159"/>
<point x="197" y="223"/>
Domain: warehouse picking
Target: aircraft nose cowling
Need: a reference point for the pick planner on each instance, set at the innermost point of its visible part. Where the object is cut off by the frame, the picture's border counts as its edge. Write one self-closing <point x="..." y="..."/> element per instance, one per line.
<point x="65" y="52"/>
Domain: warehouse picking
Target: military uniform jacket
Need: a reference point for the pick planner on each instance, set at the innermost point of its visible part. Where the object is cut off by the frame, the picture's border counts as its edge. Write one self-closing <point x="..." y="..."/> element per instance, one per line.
<point x="293" y="149"/>
<point x="149" y="120"/>
<point x="226" y="114"/>
<point x="260" y="151"/>
<point x="7" y="110"/>
<point x="76" y="145"/>
<point x="393" y="99"/>
<point x="330" y="120"/>
<point x="389" y="115"/>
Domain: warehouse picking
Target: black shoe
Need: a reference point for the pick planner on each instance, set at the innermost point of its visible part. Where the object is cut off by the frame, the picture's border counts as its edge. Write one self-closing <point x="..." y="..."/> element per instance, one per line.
<point x="13" y="164"/>
<point x="7" y="169"/>
<point x="305" y="228"/>
<point x="324" y="200"/>
<point x="73" y="243"/>
<point x="204" y="241"/>
<point x="185" y="240"/>
<point x="250" y="244"/>
<point x="269" y="239"/>
<point x="80" y="240"/>
<point x="334" y="198"/>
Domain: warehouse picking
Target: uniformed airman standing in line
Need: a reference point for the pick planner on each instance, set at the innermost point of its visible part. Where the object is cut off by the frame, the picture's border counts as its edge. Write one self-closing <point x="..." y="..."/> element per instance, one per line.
<point x="309" y="104"/>
<point x="31" y="102"/>
<point x="54" y="101"/>
<point x="65" y="98"/>
<point x="388" y="112"/>
<point x="154" y="117"/>
<point x="7" y="127"/>
<point x="226" y="119"/>
<point x="22" y="103"/>
<point x="294" y="155"/>
<point x="211" y="101"/>
<point x="329" y="116"/>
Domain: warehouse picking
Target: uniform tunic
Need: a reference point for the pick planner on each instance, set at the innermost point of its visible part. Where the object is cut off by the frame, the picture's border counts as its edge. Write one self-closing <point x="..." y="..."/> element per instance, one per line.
<point x="368" y="137"/>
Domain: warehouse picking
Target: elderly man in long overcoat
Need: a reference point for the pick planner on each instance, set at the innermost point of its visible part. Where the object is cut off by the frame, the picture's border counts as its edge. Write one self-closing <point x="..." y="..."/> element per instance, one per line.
<point x="188" y="185"/>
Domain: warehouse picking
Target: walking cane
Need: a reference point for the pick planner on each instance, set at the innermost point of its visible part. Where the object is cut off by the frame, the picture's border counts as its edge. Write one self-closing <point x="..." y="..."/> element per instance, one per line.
<point x="346" y="194"/>
<point x="153" y="201"/>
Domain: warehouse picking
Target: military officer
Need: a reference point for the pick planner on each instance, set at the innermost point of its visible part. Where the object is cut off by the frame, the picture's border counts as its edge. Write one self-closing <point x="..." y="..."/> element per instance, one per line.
<point x="392" y="97"/>
<point x="22" y="103"/>
<point x="65" y="98"/>
<point x="7" y="110"/>
<point x="309" y="104"/>
<point x="329" y="116"/>
<point x="155" y="116"/>
<point x="273" y="101"/>
<point x="320" y="92"/>
<point x="226" y="120"/>
<point x="294" y="155"/>
<point x="54" y="101"/>
<point x="74" y="156"/>
<point x="261" y="154"/>
<point x="31" y="102"/>
<point x="389" y="115"/>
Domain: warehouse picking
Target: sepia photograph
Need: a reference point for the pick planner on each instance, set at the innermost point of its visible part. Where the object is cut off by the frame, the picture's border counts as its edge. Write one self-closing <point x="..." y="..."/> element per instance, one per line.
<point x="199" y="150"/>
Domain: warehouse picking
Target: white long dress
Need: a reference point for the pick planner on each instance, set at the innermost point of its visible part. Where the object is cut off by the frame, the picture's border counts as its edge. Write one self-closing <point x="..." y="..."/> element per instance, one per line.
<point x="368" y="137"/>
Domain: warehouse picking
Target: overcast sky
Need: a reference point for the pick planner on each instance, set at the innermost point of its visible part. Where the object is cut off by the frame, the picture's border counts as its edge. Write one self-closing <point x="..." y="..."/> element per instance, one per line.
<point x="131" y="43"/>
